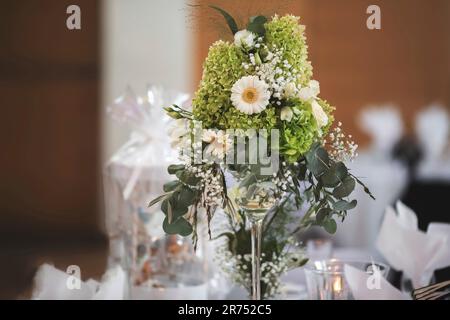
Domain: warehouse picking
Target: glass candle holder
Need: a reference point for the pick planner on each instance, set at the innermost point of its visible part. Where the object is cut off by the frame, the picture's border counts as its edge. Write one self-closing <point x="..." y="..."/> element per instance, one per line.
<point x="326" y="279"/>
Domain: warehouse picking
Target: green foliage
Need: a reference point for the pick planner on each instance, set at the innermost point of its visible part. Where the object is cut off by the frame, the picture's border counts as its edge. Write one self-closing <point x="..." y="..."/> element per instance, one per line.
<point x="334" y="175"/>
<point x="256" y="25"/>
<point x="343" y="205"/>
<point x="330" y="226"/>
<point x="180" y="226"/>
<point x="174" y="168"/>
<point x="344" y="188"/>
<point x="228" y="18"/>
<point x="330" y="183"/>
<point x="317" y="160"/>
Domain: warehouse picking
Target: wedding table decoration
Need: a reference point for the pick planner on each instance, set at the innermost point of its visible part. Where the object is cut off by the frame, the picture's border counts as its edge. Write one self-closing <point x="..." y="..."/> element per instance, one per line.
<point x="258" y="143"/>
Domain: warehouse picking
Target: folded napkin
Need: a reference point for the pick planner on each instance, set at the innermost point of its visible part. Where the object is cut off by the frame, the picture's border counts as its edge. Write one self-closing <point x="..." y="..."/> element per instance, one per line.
<point x="53" y="284"/>
<point x="366" y="286"/>
<point x="406" y="248"/>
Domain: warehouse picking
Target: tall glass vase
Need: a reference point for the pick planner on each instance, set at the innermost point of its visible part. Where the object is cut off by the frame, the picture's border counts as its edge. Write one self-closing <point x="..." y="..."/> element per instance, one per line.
<point x="255" y="205"/>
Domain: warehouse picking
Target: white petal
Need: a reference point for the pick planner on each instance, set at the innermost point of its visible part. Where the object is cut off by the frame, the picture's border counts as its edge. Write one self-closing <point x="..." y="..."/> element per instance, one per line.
<point x="286" y="114"/>
<point x="315" y="87"/>
<point x="320" y="115"/>
<point x="305" y="94"/>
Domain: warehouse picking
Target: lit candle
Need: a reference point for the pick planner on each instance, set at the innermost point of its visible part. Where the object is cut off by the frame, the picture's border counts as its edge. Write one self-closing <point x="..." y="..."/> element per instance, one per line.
<point x="337" y="287"/>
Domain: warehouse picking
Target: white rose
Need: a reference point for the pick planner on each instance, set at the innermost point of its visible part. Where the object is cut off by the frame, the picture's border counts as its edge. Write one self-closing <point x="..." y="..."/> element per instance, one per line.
<point x="318" y="113"/>
<point x="290" y="90"/>
<point x="244" y="38"/>
<point x="286" y="114"/>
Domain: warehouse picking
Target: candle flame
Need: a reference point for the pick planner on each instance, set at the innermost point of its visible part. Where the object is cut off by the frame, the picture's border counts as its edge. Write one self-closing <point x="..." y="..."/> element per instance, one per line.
<point x="337" y="285"/>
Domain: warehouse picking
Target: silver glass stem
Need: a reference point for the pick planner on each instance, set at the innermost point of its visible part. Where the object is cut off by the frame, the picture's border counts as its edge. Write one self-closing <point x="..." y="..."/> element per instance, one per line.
<point x="256" y="228"/>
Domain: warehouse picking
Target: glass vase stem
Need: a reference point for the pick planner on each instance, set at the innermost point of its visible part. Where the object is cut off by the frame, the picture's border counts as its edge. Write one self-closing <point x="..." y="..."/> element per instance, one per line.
<point x="256" y="229"/>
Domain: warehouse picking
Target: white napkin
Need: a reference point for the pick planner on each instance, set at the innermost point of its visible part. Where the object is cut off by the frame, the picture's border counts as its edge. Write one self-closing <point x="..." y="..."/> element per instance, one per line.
<point x="52" y="284"/>
<point x="365" y="287"/>
<point x="410" y="250"/>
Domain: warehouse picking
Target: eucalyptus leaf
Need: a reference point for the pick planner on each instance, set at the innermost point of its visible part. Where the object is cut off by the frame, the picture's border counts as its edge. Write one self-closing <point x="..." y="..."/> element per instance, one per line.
<point x="330" y="226"/>
<point x="157" y="199"/>
<point x="343" y="205"/>
<point x="174" y="168"/>
<point x="334" y="175"/>
<point x="317" y="160"/>
<point x="256" y="25"/>
<point x="187" y="178"/>
<point x="165" y="206"/>
<point x="169" y="212"/>
<point x="186" y="197"/>
<point x="180" y="226"/>
<point x="172" y="207"/>
<point x="172" y="185"/>
<point x="322" y="214"/>
<point x="228" y="18"/>
<point x="345" y="188"/>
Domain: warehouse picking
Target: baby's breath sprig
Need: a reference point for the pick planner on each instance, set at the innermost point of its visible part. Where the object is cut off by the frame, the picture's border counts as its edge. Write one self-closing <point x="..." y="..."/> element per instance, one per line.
<point x="341" y="146"/>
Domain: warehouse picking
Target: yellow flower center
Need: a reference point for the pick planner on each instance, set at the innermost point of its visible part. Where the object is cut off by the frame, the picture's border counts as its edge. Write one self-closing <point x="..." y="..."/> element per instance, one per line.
<point x="250" y="95"/>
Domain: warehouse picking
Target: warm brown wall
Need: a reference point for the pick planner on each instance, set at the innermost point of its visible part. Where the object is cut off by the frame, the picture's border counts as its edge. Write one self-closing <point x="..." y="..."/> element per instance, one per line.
<point x="49" y="121"/>
<point x="407" y="62"/>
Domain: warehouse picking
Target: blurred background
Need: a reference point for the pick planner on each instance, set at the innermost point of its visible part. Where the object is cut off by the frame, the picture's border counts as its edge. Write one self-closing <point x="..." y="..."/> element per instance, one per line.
<point x="391" y="88"/>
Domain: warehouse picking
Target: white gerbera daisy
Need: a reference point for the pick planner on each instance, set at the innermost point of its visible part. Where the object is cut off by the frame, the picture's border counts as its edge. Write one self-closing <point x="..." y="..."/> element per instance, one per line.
<point x="250" y="95"/>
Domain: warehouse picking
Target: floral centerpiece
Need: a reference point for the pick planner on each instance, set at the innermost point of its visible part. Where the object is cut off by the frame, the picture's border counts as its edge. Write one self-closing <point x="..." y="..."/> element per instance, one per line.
<point x="258" y="144"/>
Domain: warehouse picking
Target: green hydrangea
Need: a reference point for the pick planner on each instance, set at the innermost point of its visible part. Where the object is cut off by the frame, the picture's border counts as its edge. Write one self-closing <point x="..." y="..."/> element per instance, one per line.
<point x="286" y="32"/>
<point x="221" y="69"/>
<point x="235" y="119"/>
<point x="299" y="134"/>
